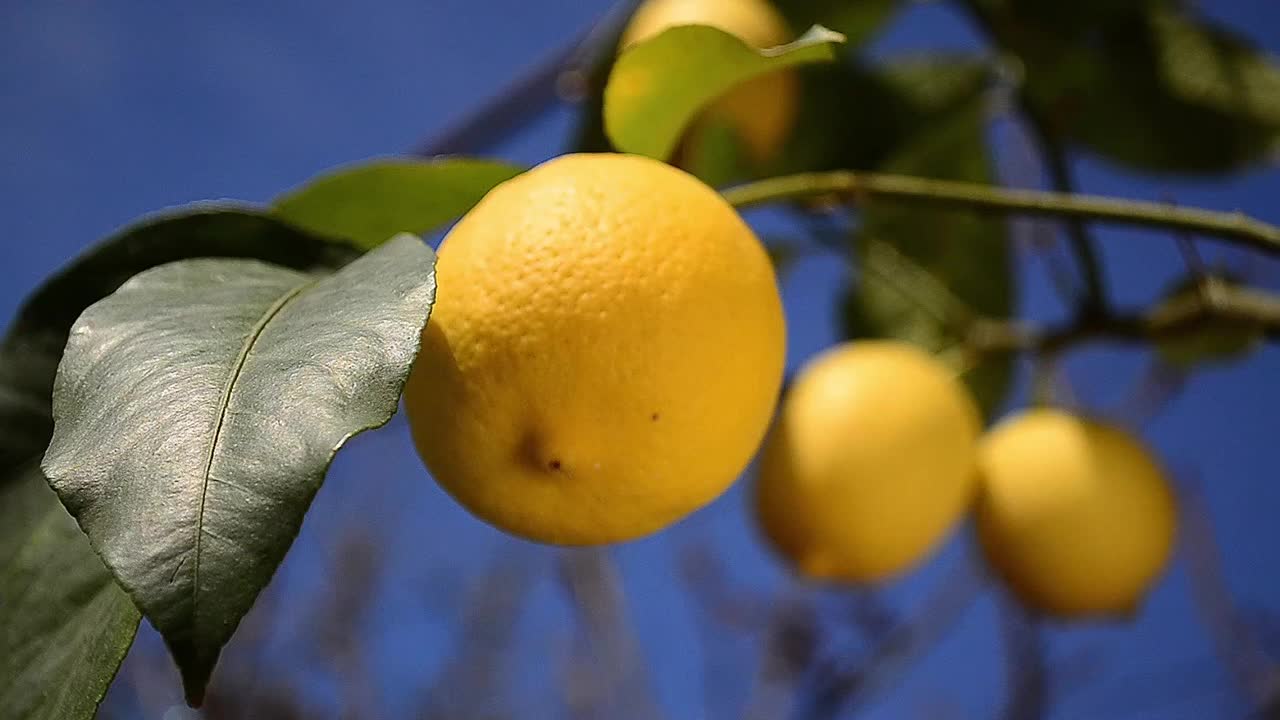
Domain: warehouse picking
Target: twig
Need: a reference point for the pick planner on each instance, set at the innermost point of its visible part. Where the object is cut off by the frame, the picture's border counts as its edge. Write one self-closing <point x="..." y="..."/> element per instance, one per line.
<point x="1026" y="673"/>
<point x="1082" y="245"/>
<point x="856" y="186"/>
<point x="1225" y="303"/>
<point x="596" y="591"/>
<point x="472" y="679"/>
<point x="789" y="649"/>
<point x="530" y="94"/>
<point x="1239" y="650"/>
<point x="900" y="647"/>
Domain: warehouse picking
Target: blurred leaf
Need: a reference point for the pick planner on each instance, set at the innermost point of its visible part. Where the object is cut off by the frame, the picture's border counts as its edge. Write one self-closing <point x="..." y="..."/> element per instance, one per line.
<point x="189" y="443"/>
<point x="65" y="626"/>
<point x="857" y="20"/>
<point x="1218" y="343"/>
<point x="855" y="117"/>
<point x="714" y="155"/>
<point x="652" y="96"/>
<point x="30" y="351"/>
<point x="1156" y="91"/>
<point x="1078" y="16"/>
<point x="370" y="202"/>
<point x="924" y="272"/>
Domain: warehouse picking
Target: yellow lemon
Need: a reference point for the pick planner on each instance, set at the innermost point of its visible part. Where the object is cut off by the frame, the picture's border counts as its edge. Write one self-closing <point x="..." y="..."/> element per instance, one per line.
<point x="604" y="355"/>
<point x="760" y="111"/>
<point x="871" y="462"/>
<point x="1075" y="515"/>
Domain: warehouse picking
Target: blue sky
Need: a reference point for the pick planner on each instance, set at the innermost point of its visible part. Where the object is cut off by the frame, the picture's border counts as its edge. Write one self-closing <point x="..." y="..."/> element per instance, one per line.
<point x="112" y="110"/>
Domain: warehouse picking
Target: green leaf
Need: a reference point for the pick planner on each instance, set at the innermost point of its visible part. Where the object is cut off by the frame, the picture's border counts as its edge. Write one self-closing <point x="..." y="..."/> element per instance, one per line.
<point x="30" y="351"/>
<point x="370" y="202"/>
<point x="923" y="272"/>
<point x="1159" y="92"/>
<point x="25" y="420"/>
<point x="197" y="410"/>
<point x="715" y="155"/>
<point x="65" y="626"/>
<point x="652" y="96"/>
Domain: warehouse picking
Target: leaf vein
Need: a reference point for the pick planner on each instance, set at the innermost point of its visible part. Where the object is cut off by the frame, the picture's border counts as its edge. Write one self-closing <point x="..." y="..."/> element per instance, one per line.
<point x="224" y="404"/>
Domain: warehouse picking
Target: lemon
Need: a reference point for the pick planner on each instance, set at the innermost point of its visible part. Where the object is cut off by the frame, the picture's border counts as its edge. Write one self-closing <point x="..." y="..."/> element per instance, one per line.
<point x="604" y="355"/>
<point x="1075" y="515"/>
<point x="871" y="462"/>
<point x="760" y="111"/>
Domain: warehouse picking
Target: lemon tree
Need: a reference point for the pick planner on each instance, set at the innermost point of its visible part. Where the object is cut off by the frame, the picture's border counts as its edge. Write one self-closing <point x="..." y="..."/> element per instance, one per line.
<point x="599" y="349"/>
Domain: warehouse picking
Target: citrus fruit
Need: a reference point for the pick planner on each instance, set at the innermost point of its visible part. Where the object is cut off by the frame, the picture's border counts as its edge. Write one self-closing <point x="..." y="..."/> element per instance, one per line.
<point x="604" y="355"/>
<point x="760" y="111"/>
<point x="1075" y="515"/>
<point x="871" y="462"/>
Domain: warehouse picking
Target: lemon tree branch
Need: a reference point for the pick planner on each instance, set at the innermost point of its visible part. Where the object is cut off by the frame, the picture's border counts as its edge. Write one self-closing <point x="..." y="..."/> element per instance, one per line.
<point x="848" y="186"/>
<point x="1218" y="303"/>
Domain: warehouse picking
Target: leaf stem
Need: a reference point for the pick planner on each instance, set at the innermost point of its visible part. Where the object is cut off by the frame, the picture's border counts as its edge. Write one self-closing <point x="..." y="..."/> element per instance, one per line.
<point x="844" y="185"/>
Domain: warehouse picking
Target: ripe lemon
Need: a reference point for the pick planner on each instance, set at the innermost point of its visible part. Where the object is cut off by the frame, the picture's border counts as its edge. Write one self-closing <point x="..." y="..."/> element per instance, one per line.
<point x="760" y="111"/>
<point x="871" y="462"/>
<point x="604" y="355"/>
<point x="1075" y="515"/>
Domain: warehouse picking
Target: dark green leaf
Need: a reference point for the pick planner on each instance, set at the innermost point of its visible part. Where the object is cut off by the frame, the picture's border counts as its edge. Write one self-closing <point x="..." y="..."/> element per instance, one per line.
<point x="924" y="272"/>
<point x="370" y="202"/>
<point x="855" y="117"/>
<point x="652" y="97"/>
<point x="1072" y="18"/>
<point x="26" y="378"/>
<point x="30" y="352"/>
<point x="65" y="626"/>
<point x="197" y="409"/>
<point x="1158" y="92"/>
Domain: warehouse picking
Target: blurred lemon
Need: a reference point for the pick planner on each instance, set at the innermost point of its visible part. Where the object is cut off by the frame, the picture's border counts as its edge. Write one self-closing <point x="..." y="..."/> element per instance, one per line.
<point x="760" y="111"/>
<point x="604" y="355"/>
<point x="871" y="462"/>
<point x="1075" y="515"/>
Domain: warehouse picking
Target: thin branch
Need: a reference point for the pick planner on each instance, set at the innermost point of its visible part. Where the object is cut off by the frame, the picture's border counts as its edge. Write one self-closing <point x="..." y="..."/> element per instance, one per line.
<point x="857" y="186"/>
<point x="900" y="648"/>
<point x="1026" y="671"/>
<point x="1235" y="643"/>
<point x="559" y="76"/>
<point x="595" y="589"/>
<point x="1224" y="303"/>
<point x="789" y="649"/>
<point x="1082" y="245"/>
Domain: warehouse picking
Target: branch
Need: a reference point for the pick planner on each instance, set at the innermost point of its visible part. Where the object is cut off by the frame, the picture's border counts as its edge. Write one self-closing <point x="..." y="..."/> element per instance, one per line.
<point x="1219" y="303"/>
<point x="857" y="186"/>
